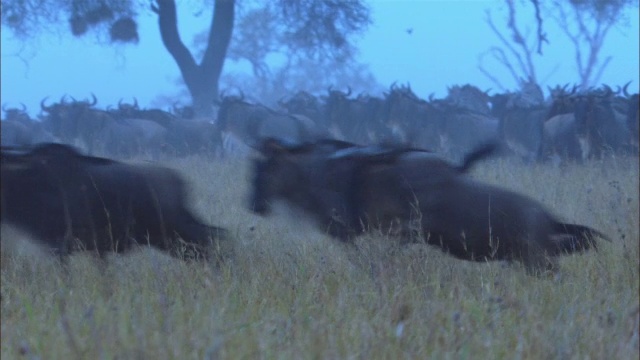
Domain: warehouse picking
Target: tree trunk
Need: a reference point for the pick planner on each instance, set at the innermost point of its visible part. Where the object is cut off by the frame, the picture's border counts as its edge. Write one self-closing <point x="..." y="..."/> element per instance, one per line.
<point x="201" y="79"/>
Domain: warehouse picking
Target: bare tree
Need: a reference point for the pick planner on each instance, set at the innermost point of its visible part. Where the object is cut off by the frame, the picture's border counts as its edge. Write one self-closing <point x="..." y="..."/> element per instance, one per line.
<point x="587" y="23"/>
<point x="201" y="79"/>
<point x="27" y="17"/>
<point x="297" y="45"/>
<point x="516" y="51"/>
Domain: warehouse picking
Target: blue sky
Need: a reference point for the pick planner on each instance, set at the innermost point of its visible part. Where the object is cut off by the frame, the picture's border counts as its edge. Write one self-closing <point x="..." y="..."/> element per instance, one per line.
<point x="442" y="50"/>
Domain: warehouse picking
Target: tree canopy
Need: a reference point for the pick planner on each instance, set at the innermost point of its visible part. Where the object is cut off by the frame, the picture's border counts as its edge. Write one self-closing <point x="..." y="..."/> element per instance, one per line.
<point x="319" y="29"/>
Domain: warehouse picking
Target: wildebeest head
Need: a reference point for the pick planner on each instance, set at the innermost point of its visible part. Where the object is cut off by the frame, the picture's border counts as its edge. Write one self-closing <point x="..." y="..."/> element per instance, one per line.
<point x="15" y="114"/>
<point x="287" y="170"/>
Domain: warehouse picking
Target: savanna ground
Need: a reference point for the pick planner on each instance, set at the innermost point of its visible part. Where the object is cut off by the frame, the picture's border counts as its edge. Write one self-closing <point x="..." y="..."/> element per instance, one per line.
<point x="292" y="292"/>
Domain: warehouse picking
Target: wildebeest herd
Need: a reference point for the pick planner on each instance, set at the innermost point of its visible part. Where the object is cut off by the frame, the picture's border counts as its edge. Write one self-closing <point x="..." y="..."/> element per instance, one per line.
<point x="570" y="124"/>
<point x="353" y="165"/>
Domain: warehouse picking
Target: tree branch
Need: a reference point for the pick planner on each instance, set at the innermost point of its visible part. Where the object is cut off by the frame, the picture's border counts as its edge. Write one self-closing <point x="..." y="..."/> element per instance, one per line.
<point x="167" y="19"/>
<point x="542" y="36"/>
<point x="487" y="73"/>
<point x="219" y="37"/>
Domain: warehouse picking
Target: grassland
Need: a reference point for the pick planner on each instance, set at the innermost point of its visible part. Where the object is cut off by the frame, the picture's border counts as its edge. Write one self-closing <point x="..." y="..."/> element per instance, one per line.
<point x="292" y="292"/>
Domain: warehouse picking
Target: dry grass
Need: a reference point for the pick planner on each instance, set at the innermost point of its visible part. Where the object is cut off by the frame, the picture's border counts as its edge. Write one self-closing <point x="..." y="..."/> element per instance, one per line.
<point x="292" y="292"/>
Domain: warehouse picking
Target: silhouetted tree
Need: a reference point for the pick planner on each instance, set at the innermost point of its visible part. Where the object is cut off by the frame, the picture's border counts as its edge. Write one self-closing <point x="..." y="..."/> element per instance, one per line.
<point x="585" y="22"/>
<point x="312" y="25"/>
<point x="287" y="51"/>
<point x="516" y="52"/>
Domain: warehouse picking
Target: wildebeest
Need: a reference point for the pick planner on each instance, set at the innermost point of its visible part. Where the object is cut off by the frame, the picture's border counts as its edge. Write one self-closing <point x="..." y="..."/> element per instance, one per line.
<point x="521" y="124"/>
<point x="157" y="129"/>
<point x="316" y="176"/>
<point x="76" y="121"/>
<point x="74" y="202"/>
<point x="18" y="129"/>
<point x="360" y="119"/>
<point x="21" y="133"/>
<point x="297" y="173"/>
<point x="404" y="190"/>
<point x="251" y="122"/>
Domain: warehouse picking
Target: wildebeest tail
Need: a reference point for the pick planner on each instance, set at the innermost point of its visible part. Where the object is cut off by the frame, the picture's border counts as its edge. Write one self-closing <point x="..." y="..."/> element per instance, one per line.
<point x="479" y="153"/>
<point x="571" y="238"/>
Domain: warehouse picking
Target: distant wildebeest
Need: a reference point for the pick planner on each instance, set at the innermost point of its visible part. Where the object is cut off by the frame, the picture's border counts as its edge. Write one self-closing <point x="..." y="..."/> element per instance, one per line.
<point x="469" y="97"/>
<point x="23" y="133"/>
<point x="521" y="124"/>
<point x="360" y="119"/>
<point x="412" y="120"/>
<point x="251" y="122"/>
<point x="74" y="202"/>
<point x="181" y="136"/>
<point x="18" y="129"/>
<point x="131" y="137"/>
<point x="414" y="192"/>
<point x="586" y="124"/>
<point x="606" y="132"/>
<point x="303" y="103"/>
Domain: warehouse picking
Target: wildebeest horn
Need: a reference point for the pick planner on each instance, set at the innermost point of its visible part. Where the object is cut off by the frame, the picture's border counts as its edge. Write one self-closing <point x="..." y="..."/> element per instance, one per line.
<point x="44" y="107"/>
<point x="63" y="99"/>
<point x="624" y="89"/>
<point x="95" y="100"/>
<point x="575" y="88"/>
<point x="24" y="107"/>
<point x="348" y="91"/>
<point x="607" y="90"/>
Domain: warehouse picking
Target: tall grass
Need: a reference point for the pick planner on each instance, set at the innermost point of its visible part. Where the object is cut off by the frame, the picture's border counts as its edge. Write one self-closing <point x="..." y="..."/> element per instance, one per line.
<point x="292" y="292"/>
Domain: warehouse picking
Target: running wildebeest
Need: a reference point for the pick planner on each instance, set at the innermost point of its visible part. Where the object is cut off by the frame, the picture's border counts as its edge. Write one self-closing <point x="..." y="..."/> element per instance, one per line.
<point x="289" y="171"/>
<point x="404" y="190"/>
<point x="75" y="202"/>
<point x="316" y="177"/>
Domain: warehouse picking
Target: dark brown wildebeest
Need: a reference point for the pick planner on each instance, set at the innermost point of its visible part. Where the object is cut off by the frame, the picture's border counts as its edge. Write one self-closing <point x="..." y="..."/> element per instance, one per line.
<point x="75" y="202"/>
<point x="466" y="218"/>
<point x="317" y="176"/>
<point x="404" y="190"/>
